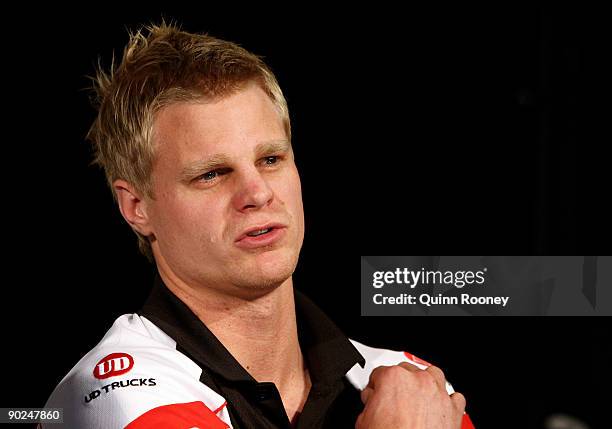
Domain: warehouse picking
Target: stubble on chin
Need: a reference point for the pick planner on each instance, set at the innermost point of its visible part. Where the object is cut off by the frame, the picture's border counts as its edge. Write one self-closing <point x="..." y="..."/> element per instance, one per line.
<point x="266" y="277"/>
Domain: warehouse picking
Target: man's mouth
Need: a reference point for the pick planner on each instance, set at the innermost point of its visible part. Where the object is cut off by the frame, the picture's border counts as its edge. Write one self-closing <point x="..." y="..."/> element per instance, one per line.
<point x="260" y="232"/>
<point x="261" y="236"/>
<point x="261" y="229"/>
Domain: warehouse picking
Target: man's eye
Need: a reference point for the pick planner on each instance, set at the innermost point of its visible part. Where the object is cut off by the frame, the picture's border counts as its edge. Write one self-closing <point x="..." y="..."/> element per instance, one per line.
<point x="270" y="160"/>
<point x="209" y="176"/>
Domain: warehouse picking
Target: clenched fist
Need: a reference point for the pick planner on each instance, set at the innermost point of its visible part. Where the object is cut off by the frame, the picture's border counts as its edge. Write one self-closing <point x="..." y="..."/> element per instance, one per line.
<point x="406" y="397"/>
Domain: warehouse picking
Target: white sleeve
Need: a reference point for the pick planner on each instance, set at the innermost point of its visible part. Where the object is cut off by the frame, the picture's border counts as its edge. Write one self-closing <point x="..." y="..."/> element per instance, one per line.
<point x="132" y="380"/>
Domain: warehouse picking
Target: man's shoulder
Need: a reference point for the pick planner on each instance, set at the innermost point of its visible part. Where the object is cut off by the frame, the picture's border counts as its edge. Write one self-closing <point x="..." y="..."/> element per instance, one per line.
<point x="134" y="370"/>
<point x="132" y="344"/>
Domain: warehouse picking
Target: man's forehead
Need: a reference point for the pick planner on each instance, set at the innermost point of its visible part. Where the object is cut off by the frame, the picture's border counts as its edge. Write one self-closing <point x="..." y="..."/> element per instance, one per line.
<point x="215" y="113"/>
<point x="245" y="118"/>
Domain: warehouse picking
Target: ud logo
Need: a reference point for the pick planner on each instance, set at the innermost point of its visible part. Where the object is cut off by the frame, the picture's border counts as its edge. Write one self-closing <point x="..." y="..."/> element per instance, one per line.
<point x="112" y="365"/>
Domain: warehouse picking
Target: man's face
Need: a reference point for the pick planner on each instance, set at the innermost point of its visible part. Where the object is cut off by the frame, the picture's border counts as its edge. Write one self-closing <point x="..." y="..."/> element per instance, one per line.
<point x="223" y="168"/>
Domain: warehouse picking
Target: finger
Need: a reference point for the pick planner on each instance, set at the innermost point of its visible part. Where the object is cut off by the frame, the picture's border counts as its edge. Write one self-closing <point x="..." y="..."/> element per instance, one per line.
<point x="438" y="376"/>
<point x="365" y="394"/>
<point x="458" y="401"/>
<point x="410" y="367"/>
<point x="359" y="422"/>
<point x="375" y="375"/>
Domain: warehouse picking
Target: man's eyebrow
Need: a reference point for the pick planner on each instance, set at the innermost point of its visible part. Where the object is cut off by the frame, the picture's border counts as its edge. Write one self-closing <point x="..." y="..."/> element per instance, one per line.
<point x="220" y="159"/>
<point x="275" y="146"/>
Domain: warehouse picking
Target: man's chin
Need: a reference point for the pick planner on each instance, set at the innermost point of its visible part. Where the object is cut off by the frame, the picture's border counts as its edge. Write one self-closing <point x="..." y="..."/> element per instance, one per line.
<point x="265" y="278"/>
<point x="264" y="272"/>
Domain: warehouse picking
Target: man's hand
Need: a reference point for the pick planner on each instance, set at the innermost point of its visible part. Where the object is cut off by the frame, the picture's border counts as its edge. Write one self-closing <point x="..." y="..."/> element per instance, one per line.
<point x="406" y="397"/>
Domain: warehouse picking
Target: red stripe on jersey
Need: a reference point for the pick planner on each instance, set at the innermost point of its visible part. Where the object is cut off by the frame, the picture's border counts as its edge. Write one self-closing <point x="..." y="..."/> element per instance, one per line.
<point x="220" y="408"/>
<point x="416" y="359"/>
<point x="466" y="423"/>
<point x="178" y="416"/>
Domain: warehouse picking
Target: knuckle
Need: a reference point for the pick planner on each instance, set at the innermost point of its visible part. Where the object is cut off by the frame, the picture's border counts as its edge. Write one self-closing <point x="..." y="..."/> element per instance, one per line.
<point x="459" y="401"/>
<point x="426" y="375"/>
<point x="435" y="371"/>
<point x="396" y="371"/>
<point x="376" y="373"/>
<point x="408" y="366"/>
<point x="399" y="374"/>
<point x="436" y="374"/>
<point x="427" y="381"/>
<point x="389" y="373"/>
<point x="384" y="375"/>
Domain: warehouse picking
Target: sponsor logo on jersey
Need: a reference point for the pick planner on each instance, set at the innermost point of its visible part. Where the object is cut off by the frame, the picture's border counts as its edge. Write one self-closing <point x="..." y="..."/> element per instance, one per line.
<point x="112" y="365"/>
<point x="134" y="382"/>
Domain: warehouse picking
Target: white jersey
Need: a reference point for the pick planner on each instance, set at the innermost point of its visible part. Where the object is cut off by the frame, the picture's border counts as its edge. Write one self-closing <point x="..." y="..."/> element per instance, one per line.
<point x="136" y="378"/>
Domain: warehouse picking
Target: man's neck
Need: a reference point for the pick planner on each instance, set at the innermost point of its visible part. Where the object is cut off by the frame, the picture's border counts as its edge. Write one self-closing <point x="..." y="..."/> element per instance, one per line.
<point x="260" y="333"/>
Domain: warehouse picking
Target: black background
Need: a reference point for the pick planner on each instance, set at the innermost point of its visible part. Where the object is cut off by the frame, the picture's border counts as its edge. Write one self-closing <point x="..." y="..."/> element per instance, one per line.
<point x="416" y="131"/>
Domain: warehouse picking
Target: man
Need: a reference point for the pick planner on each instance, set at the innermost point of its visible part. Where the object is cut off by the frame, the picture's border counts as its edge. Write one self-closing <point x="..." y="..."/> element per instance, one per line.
<point x="195" y="139"/>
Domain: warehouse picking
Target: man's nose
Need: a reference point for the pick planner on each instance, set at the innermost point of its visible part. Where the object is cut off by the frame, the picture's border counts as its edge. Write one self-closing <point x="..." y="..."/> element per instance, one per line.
<point x="253" y="191"/>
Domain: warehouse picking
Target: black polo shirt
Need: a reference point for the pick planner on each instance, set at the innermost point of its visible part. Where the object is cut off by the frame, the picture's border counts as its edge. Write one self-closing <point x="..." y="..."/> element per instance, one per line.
<point x="332" y="402"/>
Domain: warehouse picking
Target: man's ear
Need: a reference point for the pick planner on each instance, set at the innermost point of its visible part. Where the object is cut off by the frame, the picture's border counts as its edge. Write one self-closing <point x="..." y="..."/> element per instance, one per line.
<point x="133" y="207"/>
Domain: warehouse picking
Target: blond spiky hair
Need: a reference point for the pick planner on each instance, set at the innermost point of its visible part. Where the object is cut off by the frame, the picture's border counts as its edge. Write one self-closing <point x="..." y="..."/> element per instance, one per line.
<point x="162" y="65"/>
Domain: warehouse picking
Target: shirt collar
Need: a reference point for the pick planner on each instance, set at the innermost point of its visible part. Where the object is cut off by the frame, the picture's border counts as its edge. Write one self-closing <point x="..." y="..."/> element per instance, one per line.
<point x="328" y="352"/>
